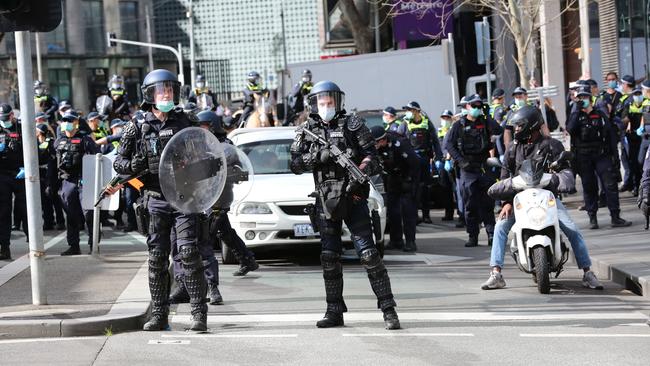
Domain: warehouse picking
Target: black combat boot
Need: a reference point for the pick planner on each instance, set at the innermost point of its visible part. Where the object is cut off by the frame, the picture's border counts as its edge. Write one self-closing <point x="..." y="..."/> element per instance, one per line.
<point x="472" y="242"/>
<point x="5" y="253"/>
<point x="410" y="246"/>
<point x="331" y="319"/>
<point x="426" y="218"/>
<point x="395" y="245"/>
<point x="593" y="221"/>
<point x="617" y="221"/>
<point x="247" y="264"/>
<point x="333" y="276"/>
<point x="391" y="321"/>
<point x="73" y="250"/>
<point x="157" y="322"/>
<point x="215" y="295"/>
<point x="179" y="295"/>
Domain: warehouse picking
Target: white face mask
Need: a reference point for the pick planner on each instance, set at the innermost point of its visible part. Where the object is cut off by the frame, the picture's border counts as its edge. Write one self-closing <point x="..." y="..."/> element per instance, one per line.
<point x="385" y="119"/>
<point x="326" y="114"/>
<point x="408" y="115"/>
<point x="444" y="122"/>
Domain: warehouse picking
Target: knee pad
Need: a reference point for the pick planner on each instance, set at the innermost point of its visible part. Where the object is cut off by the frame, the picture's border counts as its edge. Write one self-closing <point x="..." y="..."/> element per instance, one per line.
<point x="370" y="258"/>
<point x="330" y="260"/>
<point x="190" y="257"/>
<point x="158" y="259"/>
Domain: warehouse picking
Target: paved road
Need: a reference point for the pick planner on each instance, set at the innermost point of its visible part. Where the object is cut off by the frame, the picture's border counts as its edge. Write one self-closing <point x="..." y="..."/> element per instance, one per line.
<point x="269" y="318"/>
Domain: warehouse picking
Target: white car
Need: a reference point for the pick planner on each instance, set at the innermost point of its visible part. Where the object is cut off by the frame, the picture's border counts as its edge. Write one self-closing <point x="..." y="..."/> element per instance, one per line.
<point x="274" y="210"/>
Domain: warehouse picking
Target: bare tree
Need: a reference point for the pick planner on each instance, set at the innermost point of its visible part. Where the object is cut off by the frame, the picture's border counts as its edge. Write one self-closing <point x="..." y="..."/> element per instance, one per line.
<point x="359" y="26"/>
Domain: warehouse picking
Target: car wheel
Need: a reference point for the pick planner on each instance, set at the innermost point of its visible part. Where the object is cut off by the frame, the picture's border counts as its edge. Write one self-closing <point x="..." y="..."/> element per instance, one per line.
<point x="227" y="255"/>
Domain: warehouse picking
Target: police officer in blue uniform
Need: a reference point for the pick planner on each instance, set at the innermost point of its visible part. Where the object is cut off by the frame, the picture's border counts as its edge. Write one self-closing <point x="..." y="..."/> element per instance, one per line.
<point x="424" y="138"/>
<point x="12" y="175"/>
<point x="341" y="198"/>
<point x="45" y="102"/>
<point x="296" y="98"/>
<point x="392" y="123"/>
<point x="469" y="144"/>
<point x="253" y="86"/>
<point x="401" y="174"/>
<point x="70" y="149"/>
<point x="140" y="148"/>
<point x="595" y="142"/>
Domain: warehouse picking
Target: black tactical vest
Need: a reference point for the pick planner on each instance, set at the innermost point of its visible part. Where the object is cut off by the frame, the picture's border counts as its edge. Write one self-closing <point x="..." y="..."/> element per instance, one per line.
<point x="474" y="140"/>
<point x="11" y="158"/>
<point x="69" y="156"/>
<point x="591" y="134"/>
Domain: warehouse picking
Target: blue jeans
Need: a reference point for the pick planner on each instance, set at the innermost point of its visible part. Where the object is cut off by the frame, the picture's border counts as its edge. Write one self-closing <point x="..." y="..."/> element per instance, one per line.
<point x="567" y="226"/>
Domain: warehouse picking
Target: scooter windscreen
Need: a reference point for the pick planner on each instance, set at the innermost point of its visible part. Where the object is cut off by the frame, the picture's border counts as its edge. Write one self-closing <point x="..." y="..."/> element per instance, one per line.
<point x="531" y="172"/>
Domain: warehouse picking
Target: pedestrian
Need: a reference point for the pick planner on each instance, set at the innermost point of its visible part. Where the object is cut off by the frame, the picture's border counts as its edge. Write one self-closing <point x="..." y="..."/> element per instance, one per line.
<point x="140" y="149"/>
<point x="469" y="144"/>
<point x="70" y="150"/>
<point x="340" y="198"/>
<point x="595" y="143"/>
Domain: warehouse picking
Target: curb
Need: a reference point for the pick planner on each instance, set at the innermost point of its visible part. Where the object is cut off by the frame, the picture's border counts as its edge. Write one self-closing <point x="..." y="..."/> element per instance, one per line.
<point x="639" y="285"/>
<point x="128" y="313"/>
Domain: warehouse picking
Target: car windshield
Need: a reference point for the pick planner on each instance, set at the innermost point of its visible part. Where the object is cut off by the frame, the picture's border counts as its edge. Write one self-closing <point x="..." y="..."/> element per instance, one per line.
<point x="269" y="157"/>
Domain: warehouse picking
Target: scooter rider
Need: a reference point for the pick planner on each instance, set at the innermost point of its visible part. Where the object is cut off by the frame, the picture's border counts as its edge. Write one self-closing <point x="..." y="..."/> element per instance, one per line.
<point x="530" y="143"/>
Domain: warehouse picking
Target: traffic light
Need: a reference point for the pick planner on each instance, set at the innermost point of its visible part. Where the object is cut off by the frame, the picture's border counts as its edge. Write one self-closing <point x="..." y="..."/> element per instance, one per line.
<point x="29" y="15"/>
<point x="110" y="36"/>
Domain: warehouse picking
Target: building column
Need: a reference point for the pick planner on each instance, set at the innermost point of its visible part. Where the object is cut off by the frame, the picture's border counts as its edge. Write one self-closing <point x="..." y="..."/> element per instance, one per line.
<point x="506" y="69"/>
<point x="79" y="81"/>
<point x="552" y="53"/>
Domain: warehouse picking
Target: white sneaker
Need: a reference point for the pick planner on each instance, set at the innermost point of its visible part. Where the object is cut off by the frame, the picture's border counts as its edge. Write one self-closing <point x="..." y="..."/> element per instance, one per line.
<point x="589" y="280"/>
<point x="495" y="281"/>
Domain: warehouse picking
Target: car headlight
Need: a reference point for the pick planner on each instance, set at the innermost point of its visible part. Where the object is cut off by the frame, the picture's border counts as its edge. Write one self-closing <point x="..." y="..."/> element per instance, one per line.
<point x="537" y="215"/>
<point x="253" y="208"/>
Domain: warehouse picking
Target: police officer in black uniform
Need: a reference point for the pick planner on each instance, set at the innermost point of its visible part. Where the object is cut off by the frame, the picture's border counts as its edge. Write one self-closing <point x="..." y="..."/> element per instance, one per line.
<point x="44" y="102"/>
<point x="12" y="175"/>
<point x="200" y="89"/>
<point x="340" y="198"/>
<point x="595" y="140"/>
<point x="401" y="174"/>
<point x="70" y="147"/>
<point x="50" y="200"/>
<point x="297" y="97"/>
<point x="424" y="138"/>
<point x="253" y="86"/>
<point x="140" y="149"/>
<point x="469" y="144"/>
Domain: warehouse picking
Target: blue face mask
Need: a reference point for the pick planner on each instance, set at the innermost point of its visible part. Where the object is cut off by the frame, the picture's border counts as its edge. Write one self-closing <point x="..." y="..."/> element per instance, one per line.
<point x="67" y="126"/>
<point x="585" y="103"/>
<point x="6" y="124"/>
<point x="638" y="99"/>
<point x="612" y="84"/>
<point x="165" y="106"/>
<point x="475" y="112"/>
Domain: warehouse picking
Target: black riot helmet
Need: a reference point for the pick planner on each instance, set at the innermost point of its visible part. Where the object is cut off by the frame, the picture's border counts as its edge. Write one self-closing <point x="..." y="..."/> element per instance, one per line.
<point x="253" y="78"/>
<point x="306" y="75"/>
<point x="116" y="82"/>
<point x="326" y="92"/>
<point x="211" y="118"/>
<point x="160" y="81"/>
<point x="526" y="120"/>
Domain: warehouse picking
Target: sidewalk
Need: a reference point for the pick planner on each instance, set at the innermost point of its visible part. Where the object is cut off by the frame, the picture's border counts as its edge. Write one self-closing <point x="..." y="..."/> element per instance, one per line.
<point x="86" y="295"/>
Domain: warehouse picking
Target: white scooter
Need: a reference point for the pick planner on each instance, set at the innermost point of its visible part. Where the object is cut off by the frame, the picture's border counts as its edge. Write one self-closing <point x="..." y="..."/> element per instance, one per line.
<point x="537" y="245"/>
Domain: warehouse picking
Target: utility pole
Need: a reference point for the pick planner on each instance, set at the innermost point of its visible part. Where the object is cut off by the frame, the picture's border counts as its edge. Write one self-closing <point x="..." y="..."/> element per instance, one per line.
<point x="584" y="38"/>
<point x="376" y="21"/>
<point x="190" y="15"/>
<point x="32" y="179"/>
<point x="487" y="49"/>
<point x="285" y="72"/>
<point x="149" y="39"/>
<point x="39" y="65"/>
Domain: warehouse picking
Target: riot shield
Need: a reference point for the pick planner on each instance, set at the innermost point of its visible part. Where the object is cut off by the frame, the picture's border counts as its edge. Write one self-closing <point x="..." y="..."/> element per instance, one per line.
<point x="239" y="180"/>
<point x="192" y="170"/>
<point x="104" y="105"/>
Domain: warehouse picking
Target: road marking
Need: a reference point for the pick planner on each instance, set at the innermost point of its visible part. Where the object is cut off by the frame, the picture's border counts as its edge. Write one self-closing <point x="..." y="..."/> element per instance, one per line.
<point x="428" y="316"/>
<point x="12" y="269"/>
<point x="54" y="339"/>
<point x="579" y="335"/>
<point x="170" y="341"/>
<point x="408" y="335"/>
<point x="229" y="335"/>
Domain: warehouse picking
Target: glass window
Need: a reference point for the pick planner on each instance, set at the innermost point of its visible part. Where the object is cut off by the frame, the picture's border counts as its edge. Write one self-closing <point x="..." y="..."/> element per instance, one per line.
<point x="97" y="85"/>
<point x="94" y="26"/>
<point x="55" y="41"/>
<point x="129" y="24"/>
<point x="132" y="79"/>
<point x="269" y="157"/>
<point x="59" y="83"/>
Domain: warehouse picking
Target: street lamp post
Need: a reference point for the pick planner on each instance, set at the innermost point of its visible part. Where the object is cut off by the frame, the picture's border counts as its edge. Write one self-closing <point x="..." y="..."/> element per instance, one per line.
<point x="190" y="16"/>
<point x="285" y="71"/>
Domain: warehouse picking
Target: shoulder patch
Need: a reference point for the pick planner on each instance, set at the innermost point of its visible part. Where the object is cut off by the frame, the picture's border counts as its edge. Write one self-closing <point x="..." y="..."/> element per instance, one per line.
<point x="354" y="122"/>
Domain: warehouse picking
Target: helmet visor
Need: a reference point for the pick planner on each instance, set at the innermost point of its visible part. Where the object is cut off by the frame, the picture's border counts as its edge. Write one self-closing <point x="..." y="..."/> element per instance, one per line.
<point x="324" y="100"/>
<point x="162" y="91"/>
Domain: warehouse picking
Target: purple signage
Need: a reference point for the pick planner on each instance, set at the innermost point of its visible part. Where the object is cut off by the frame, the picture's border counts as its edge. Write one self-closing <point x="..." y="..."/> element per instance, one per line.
<point x="417" y="20"/>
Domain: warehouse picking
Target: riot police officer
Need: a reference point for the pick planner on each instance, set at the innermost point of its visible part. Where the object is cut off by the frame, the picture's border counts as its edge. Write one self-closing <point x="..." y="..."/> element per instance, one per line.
<point x="297" y="97"/>
<point x="469" y="144"/>
<point x="12" y="175"/>
<point x="595" y="143"/>
<point x="401" y="174"/>
<point x="121" y="105"/>
<point x="140" y="149"/>
<point x="44" y="102"/>
<point x="253" y="86"/>
<point x="341" y="197"/>
<point x="70" y="149"/>
<point x="202" y="96"/>
<point x="424" y="138"/>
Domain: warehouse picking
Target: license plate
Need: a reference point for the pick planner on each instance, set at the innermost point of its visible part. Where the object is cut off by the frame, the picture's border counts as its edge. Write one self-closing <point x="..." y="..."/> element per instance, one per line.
<point x="303" y="230"/>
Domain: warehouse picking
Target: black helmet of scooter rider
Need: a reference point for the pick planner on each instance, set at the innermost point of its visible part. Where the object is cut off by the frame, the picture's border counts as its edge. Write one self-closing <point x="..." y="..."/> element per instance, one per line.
<point x="526" y="120"/>
<point x="253" y="78"/>
<point x="161" y="90"/>
<point x="326" y="101"/>
<point x="211" y="118"/>
<point x="306" y="75"/>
